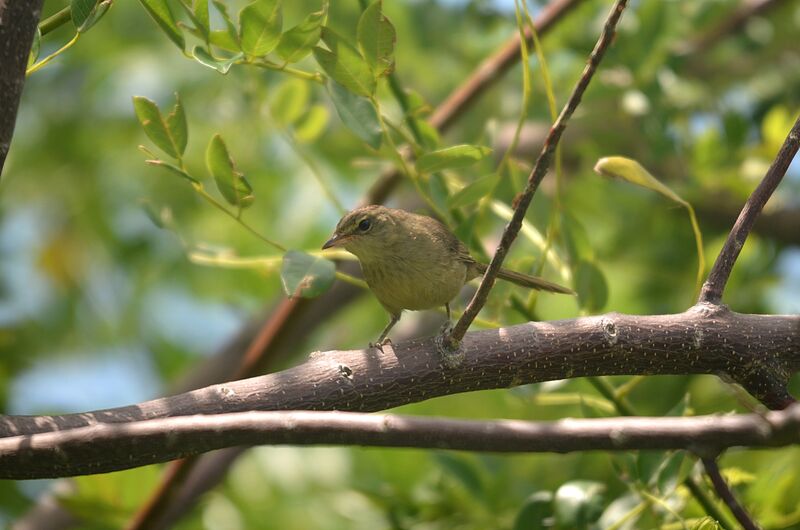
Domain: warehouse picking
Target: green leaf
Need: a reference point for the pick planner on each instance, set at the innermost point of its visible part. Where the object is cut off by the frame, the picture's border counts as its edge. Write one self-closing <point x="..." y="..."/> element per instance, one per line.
<point x="344" y="64"/>
<point x="200" y="10"/>
<point x="590" y="283"/>
<point x="312" y="125"/>
<point x="706" y="523"/>
<point x="533" y="513"/>
<point x="177" y="127"/>
<point x="578" y="503"/>
<point x="220" y="65"/>
<point x="35" y="46"/>
<point x="474" y="191"/>
<point x="358" y="114"/>
<point x="376" y="36"/>
<point x="632" y="171"/>
<point x="451" y="157"/>
<point x="306" y="275"/>
<point x="222" y="9"/>
<point x="156" y="127"/>
<point x="222" y="39"/>
<point x="297" y="42"/>
<point x="289" y="101"/>
<point x="260" y="27"/>
<point x="230" y="183"/>
<point x="161" y="13"/>
<point x="85" y="13"/>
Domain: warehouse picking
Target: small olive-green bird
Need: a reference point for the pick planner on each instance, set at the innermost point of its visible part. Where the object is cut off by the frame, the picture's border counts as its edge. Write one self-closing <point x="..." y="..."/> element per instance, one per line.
<point x="413" y="261"/>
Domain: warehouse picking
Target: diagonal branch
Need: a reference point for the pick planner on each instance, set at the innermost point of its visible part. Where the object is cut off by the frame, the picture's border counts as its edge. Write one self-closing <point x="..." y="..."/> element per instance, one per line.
<point x="721" y="271"/>
<point x="524" y="199"/>
<point x="102" y="448"/>
<point x="725" y="493"/>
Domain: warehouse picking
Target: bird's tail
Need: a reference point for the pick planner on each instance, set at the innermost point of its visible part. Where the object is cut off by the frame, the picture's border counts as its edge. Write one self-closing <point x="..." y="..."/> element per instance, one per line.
<point x="524" y="280"/>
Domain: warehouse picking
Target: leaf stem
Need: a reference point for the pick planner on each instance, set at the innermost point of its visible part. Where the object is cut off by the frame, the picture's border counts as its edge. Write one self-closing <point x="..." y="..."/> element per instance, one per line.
<point x="55" y="20"/>
<point x="53" y="55"/>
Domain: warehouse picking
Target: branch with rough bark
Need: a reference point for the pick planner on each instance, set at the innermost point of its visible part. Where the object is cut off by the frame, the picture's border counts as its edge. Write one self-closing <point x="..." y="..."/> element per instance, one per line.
<point x="103" y="447"/>
<point x="760" y="352"/>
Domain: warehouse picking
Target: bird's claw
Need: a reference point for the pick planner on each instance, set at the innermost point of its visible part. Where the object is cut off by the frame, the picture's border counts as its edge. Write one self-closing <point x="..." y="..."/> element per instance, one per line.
<point x="380" y="344"/>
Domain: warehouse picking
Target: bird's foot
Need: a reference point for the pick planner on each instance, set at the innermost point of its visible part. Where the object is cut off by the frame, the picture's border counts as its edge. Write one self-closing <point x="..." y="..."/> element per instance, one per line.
<point x="380" y="344"/>
<point x="448" y="349"/>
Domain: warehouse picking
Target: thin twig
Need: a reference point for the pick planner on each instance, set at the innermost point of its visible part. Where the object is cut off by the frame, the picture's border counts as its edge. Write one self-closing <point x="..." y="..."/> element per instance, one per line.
<point x="537" y="174"/>
<point x="721" y="271"/>
<point x="100" y="448"/>
<point x="727" y="496"/>
<point x="486" y="75"/>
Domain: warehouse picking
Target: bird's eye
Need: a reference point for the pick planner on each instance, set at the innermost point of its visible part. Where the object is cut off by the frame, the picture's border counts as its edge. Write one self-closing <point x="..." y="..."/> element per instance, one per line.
<point x="364" y="225"/>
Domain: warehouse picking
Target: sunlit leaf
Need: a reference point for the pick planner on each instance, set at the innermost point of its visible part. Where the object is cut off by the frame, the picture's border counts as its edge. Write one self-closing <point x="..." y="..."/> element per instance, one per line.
<point x="298" y="41"/>
<point x="261" y="23"/>
<point x="161" y="13"/>
<point x="201" y="15"/>
<point x="376" y="37"/>
<point x="357" y="113"/>
<point x="578" y="503"/>
<point x="473" y="192"/>
<point x="230" y="27"/>
<point x="306" y="275"/>
<point x="155" y="126"/>
<point x="632" y="171"/>
<point x="222" y="39"/>
<point x="289" y="101"/>
<point x="230" y="183"/>
<point x="451" y="158"/>
<point x="591" y="286"/>
<point x="344" y="64"/>
<point x="310" y="127"/>
<point x="533" y="513"/>
<point x="220" y="65"/>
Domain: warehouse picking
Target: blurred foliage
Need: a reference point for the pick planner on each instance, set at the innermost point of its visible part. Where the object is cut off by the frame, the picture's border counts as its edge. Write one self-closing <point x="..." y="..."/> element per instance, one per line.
<point x="117" y="278"/>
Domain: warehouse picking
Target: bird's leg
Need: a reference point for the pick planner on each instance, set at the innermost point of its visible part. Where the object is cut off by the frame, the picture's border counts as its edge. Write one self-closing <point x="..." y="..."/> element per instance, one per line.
<point x="447" y="326"/>
<point x="382" y="339"/>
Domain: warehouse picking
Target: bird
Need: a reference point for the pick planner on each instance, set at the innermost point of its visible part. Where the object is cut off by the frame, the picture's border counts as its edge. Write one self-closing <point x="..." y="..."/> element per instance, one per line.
<point x="414" y="262"/>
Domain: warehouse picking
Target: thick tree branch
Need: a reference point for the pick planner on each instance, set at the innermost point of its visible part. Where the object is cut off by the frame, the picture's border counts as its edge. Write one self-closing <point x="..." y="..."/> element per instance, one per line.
<point x="725" y="493"/>
<point x="538" y="172"/>
<point x="18" y="22"/>
<point x="101" y="448"/>
<point x="760" y="352"/>
<point x="721" y="271"/>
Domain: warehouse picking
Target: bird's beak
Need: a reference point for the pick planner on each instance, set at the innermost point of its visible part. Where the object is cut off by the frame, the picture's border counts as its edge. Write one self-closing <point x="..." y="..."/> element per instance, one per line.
<point x="334" y="241"/>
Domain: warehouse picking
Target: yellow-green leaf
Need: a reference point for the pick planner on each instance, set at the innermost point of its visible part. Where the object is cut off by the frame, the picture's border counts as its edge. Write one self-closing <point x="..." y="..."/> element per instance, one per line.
<point x="376" y="37"/>
<point x="154" y="125"/>
<point x="260" y="27"/>
<point x="161" y="13"/>
<point x="297" y="42"/>
<point x="451" y="157"/>
<point x="306" y="275"/>
<point x="344" y="64"/>
<point x="230" y="183"/>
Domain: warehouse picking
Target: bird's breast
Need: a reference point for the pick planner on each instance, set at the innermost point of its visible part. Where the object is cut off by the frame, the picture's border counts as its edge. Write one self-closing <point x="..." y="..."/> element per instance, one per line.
<point x="401" y="282"/>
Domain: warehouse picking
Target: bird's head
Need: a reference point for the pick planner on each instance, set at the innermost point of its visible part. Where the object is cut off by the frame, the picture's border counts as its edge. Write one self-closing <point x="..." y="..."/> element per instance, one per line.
<point x="368" y="232"/>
